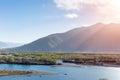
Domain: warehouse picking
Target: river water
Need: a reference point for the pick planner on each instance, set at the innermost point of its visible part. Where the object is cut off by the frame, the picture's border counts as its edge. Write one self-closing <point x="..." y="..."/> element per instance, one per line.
<point x="64" y="73"/>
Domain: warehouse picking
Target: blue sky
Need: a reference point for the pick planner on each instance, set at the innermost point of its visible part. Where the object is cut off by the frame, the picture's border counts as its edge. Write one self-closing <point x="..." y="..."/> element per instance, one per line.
<point x="23" y="21"/>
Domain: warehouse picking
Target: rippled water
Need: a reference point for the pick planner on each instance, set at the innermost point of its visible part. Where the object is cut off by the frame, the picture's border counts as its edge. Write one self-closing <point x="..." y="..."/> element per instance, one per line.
<point x="73" y="73"/>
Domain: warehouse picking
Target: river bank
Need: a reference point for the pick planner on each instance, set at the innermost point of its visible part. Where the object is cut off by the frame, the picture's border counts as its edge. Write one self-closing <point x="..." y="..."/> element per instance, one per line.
<point x="38" y="58"/>
<point x="23" y="73"/>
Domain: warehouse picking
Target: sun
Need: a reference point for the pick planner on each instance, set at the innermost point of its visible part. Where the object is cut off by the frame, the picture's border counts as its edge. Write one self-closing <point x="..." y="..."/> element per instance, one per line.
<point x="112" y="7"/>
<point x="115" y="4"/>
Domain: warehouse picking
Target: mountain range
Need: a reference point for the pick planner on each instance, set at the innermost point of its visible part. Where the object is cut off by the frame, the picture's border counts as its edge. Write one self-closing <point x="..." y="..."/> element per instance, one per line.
<point x="95" y="38"/>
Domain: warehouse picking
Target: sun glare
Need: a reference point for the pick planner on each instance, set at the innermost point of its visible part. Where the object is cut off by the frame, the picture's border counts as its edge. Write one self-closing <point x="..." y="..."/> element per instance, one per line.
<point x="115" y="4"/>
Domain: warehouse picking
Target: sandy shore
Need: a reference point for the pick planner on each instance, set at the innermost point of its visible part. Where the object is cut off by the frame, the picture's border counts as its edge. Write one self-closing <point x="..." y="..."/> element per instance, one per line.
<point x="23" y="73"/>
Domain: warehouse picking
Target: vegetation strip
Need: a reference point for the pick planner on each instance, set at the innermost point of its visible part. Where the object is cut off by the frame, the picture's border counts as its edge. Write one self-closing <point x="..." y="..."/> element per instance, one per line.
<point x="39" y="58"/>
<point x="23" y="73"/>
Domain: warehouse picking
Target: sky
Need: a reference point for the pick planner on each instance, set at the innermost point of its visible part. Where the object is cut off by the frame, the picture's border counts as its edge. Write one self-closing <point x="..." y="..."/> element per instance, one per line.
<point x="23" y="21"/>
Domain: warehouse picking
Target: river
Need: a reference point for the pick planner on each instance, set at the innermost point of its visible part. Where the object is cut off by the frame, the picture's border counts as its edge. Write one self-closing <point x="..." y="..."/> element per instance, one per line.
<point x="64" y="73"/>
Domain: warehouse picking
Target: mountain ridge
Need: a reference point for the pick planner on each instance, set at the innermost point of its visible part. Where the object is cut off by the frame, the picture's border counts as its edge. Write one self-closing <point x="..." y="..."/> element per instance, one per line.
<point x="95" y="38"/>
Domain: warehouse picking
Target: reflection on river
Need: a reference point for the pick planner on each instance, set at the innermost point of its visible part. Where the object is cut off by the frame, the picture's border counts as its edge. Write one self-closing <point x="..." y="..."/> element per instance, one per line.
<point x="65" y="73"/>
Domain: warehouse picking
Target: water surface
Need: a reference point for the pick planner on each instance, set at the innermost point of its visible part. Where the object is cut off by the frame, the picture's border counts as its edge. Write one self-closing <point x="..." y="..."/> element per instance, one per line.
<point x="73" y="73"/>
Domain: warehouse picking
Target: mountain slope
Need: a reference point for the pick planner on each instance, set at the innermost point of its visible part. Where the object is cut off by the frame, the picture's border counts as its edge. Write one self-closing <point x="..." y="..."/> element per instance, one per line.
<point x="95" y="38"/>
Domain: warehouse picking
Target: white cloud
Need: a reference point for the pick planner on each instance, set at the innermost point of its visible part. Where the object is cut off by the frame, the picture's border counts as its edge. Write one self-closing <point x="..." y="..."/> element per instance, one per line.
<point x="102" y="8"/>
<point x="68" y="4"/>
<point x="78" y="4"/>
<point x="71" y="15"/>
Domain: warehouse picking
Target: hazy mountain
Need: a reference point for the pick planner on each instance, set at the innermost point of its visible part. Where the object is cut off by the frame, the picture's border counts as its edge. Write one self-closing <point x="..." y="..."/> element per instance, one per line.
<point x="8" y="44"/>
<point x="95" y="38"/>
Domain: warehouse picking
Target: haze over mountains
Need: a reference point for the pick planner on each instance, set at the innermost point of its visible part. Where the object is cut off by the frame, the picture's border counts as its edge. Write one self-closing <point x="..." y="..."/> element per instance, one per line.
<point x="95" y="38"/>
<point x="8" y="44"/>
